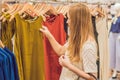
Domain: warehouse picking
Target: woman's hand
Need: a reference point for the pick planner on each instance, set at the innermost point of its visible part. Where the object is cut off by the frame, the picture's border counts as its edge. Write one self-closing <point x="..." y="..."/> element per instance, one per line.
<point x="45" y="31"/>
<point x="64" y="62"/>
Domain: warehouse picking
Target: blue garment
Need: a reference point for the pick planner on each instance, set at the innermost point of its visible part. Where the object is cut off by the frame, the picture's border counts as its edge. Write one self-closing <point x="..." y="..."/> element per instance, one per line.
<point x="5" y="65"/>
<point x="15" y="67"/>
<point x="1" y="68"/>
<point x="11" y="68"/>
<point x="115" y="27"/>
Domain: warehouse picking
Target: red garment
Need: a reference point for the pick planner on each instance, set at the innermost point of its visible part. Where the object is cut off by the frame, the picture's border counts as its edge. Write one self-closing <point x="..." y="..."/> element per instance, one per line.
<point x="55" y="25"/>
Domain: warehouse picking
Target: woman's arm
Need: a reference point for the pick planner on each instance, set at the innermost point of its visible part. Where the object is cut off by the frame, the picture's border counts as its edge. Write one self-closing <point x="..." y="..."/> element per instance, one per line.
<point x="59" y="49"/>
<point x="81" y="73"/>
<point x="66" y="63"/>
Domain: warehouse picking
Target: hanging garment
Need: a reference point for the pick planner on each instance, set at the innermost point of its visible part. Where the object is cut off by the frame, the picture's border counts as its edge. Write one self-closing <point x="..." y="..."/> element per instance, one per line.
<point x="0" y="30"/>
<point x="66" y="27"/>
<point x="55" y="24"/>
<point x="94" y="27"/>
<point x="101" y="27"/>
<point x="114" y="44"/>
<point x="96" y="38"/>
<point x="11" y="67"/>
<point x="1" y="68"/>
<point x="9" y="70"/>
<point x="114" y="47"/>
<point x="28" y="47"/>
<point x="7" y="31"/>
<point x="5" y="66"/>
<point x="15" y="67"/>
<point x="115" y="27"/>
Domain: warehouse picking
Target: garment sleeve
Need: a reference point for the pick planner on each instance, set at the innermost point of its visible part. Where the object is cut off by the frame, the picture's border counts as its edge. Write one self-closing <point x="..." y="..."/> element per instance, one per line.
<point x="89" y="58"/>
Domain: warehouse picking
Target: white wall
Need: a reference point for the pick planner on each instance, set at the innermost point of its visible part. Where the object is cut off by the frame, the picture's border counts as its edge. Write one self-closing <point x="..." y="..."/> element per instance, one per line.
<point x="118" y="1"/>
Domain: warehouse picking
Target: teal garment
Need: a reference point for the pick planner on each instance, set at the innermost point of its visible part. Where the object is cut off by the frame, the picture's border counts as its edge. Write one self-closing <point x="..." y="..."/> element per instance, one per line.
<point x="5" y="65"/>
<point x="1" y="68"/>
<point x="14" y="64"/>
<point x="11" y="67"/>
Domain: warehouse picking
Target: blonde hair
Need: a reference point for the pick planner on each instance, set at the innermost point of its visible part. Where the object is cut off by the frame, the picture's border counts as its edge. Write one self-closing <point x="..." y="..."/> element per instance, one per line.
<point x="80" y="29"/>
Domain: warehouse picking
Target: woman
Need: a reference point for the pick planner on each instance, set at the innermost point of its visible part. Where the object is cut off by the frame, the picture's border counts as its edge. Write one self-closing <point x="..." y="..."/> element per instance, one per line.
<point x="78" y="55"/>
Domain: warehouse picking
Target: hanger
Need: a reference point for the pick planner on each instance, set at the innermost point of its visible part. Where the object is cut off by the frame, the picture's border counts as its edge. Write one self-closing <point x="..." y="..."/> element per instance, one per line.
<point x="42" y="8"/>
<point x="5" y="6"/>
<point x="101" y="13"/>
<point x="64" y="10"/>
<point x="37" y="7"/>
<point x="26" y="6"/>
<point x="28" y="9"/>
<point x="16" y="11"/>
<point x="12" y="13"/>
<point x="50" y="10"/>
<point x="13" y="8"/>
<point x="59" y="9"/>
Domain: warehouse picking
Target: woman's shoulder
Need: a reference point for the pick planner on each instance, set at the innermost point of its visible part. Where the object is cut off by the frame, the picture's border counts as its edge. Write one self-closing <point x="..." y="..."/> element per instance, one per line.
<point x="90" y="41"/>
<point x="90" y="44"/>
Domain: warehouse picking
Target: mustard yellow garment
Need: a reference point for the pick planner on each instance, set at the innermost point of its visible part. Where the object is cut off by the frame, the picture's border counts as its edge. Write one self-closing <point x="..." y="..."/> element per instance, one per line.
<point x="29" y="48"/>
<point x="7" y="30"/>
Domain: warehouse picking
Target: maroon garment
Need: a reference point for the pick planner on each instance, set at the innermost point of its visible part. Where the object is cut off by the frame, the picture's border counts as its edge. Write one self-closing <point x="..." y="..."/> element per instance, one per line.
<point x="55" y="25"/>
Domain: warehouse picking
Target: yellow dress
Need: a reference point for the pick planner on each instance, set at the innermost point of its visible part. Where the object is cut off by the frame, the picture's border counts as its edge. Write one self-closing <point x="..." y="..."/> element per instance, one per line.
<point x="7" y="31"/>
<point x="28" y="48"/>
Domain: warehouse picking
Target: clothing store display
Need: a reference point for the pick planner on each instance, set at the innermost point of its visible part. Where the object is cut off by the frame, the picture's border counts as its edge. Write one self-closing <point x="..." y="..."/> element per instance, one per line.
<point x="55" y="24"/>
<point x="28" y="54"/>
<point x="88" y="63"/>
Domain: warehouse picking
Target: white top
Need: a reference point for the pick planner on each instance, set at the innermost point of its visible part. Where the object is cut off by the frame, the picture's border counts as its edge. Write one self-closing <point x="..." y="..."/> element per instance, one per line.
<point x="87" y="63"/>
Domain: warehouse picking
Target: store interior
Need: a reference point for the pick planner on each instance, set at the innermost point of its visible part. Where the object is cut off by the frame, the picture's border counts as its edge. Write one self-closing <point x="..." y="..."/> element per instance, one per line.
<point x="41" y="63"/>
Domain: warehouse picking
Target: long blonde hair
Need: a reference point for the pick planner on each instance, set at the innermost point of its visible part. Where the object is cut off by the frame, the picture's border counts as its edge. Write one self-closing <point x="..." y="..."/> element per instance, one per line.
<point x="80" y="29"/>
